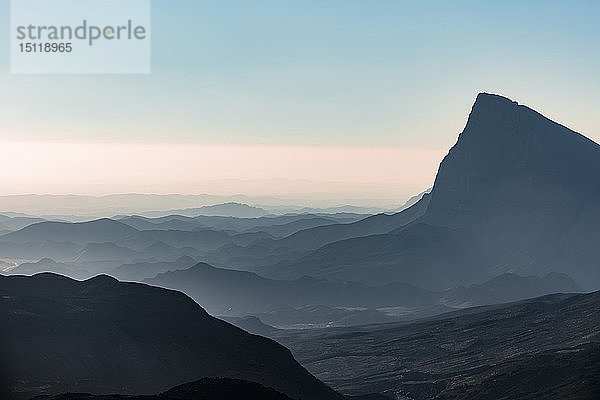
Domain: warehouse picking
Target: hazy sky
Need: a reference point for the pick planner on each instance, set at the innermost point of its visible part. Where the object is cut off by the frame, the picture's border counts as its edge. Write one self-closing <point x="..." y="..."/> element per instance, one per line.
<point x="257" y="90"/>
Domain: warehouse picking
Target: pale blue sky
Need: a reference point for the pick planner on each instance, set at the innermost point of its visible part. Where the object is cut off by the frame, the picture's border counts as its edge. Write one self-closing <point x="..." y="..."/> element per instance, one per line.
<point x="400" y="73"/>
<point x="334" y="73"/>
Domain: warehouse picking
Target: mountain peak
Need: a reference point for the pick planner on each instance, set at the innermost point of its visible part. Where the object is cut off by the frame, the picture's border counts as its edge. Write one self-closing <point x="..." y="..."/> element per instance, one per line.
<point x="503" y="140"/>
<point x="102" y="279"/>
<point x="492" y="98"/>
<point x="514" y="173"/>
<point x="492" y="113"/>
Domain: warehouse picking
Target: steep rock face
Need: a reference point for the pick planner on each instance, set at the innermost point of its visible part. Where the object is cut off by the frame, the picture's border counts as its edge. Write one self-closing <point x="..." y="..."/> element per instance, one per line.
<point x="510" y="156"/>
<point x="518" y="193"/>
<point x="105" y="336"/>
<point x="528" y="188"/>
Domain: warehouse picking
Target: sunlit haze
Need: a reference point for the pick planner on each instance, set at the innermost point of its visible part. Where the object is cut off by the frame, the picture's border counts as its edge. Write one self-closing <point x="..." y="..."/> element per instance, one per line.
<point x="383" y="175"/>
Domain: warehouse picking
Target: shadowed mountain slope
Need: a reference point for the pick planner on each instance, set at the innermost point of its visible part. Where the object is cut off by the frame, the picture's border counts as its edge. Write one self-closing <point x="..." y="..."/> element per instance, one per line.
<point x="105" y="336"/>
<point x="510" y="287"/>
<point x="14" y="223"/>
<point x="101" y="230"/>
<point x="264" y="255"/>
<point x="381" y="223"/>
<point x="528" y="188"/>
<point x="142" y="270"/>
<point x="547" y="347"/>
<point x="49" y="265"/>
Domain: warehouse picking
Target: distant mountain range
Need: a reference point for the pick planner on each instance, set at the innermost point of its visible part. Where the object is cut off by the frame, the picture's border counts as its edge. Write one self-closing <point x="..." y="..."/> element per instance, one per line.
<point x="108" y="241"/>
<point x="144" y="270"/>
<point x="414" y="199"/>
<point x="264" y="255"/>
<point x="239" y="292"/>
<point x="164" y="238"/>
<point x="231" y="209"/>
<point x="276" y="225"/>
<point x="225" y="292"/>
<point x="76" y="208"/>
<point x="103" y="336"/>
<point x="49" y="265"/>
<point x="102" y="230"/>
<point x="14" y="223"/>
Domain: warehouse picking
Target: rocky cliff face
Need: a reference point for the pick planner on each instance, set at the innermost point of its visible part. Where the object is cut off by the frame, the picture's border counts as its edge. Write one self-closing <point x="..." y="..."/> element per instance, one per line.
<point x="511" y="156"/>
<point x="527" y="187"/>
<point x="517" y="193"/>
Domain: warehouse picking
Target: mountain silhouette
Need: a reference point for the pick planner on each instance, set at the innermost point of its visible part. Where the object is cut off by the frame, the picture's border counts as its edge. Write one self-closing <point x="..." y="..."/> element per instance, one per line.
<point x="224" y="291"/>
<point x="175" y="222"/>
<point x="264" y="254"/>
<point x="231" y="209"/>
<point x="517" y="193"/>
<point x="142" y="270"/>
<point x="14" y="223"/>
<point x="104" y="336"/>
<point x="49" y="265"/>
<point x="307" y="300"/>
<point x="287" y="229"/>
<point x="98" y="231"/>
<point x="527" y="187"/>
<point x="376" y="224"/>
<point x="107" y="251"/>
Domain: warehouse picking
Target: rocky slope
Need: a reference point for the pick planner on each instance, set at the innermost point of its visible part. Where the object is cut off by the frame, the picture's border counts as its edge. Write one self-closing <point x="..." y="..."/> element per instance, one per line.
<point x="547" y="347"/>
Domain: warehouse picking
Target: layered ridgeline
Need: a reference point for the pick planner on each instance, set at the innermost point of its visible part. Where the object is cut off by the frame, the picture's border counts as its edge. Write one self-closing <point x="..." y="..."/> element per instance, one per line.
<point x="105" y="336"/>
<point x="309" y="302"/>
<point x="517" y="193"/>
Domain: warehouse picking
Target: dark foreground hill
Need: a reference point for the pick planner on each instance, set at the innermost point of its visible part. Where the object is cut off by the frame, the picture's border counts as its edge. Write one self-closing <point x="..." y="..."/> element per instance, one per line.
<point x="543" y="348"/>
<point x="204" y="389"/>
<point x="104" y="336"/>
